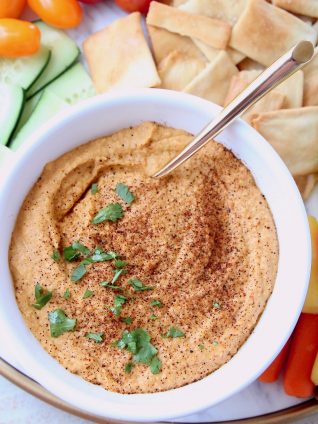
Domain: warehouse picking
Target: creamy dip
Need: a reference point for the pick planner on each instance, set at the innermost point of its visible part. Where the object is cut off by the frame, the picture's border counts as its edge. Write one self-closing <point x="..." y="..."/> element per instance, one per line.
<point x="203" y="238"/>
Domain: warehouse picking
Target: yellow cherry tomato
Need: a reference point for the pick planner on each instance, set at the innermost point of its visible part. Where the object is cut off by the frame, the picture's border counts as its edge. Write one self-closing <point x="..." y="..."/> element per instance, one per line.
<point x="18" y="38"/>
<point x="62" y="14"/>
<point x="11" y="8"/>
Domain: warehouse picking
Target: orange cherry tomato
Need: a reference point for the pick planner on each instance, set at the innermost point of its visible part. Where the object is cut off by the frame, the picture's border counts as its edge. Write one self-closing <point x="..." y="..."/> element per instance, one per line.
<point x="141" y="6"/>
<point x="18" y="38"/>
<point x="62" y="14"/>
<point x="11" y="8"/>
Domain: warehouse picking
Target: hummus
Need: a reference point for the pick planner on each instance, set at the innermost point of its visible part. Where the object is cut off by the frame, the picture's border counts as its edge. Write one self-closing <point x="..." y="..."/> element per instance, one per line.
<point x="203" y="238"/>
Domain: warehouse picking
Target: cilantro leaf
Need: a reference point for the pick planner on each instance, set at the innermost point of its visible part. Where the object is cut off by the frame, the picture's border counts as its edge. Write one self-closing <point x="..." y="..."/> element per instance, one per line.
<point x="127" y="320"/>
<point x="97" y="337"/>
<point x="201" y="346"/>
<point x="138" y="285"/>
<point x="81" y="248"/>
<point x="156" y="302"/>
<point x="94" y="188"/>
<point x="128" y="367"/>
<point x="100" y="256"/>
<point x="124" y="193"/>
<point x="78" y="272"/>
<point x="70" y="254"/>
<point x="153" y="317"/>
<point x="120" y="264"/>
<point x="216" y="305"/>
<point x="118" y="303"/>
<point x="88" y="293"/>
<point x="155" y="365"/>
<point x="118" y="273"/>
<point x="60" y="323"/>
<point x="56" y="255"/>
<point x="67" y="294"/>
<point x="42" y="297"/>
<point x="110" y="286"/>
<point x="112" y="212"/>
<point x="174" y="332"/>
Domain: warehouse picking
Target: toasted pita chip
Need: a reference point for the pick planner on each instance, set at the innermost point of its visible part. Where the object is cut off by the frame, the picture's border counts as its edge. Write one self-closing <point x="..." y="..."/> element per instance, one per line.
<point x="239" y="82"/>
<point x="213" y="32"/>
<point x="311" y="82"/>
<point x="211" y="53"/>
<point x="293" y="89"/>
<point x="248" y="64"/>
<point x="118" y="56"/>
<point x="265" y="32"/>
<point x="306" y="184"/>
<point x="175" y="3"/>
<point x="213" y="82"/>
<point x="178" y="69"/>
<point x="294" y="135"/>
<point x="272" y="101"/>
<point x="302" y="7"/>
<point x="226" y="10"/>
<point x="164" y="42"/>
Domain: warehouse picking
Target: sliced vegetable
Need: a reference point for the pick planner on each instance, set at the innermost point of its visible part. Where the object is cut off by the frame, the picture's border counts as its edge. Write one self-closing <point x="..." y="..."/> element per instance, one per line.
<point x="11" y="104"/>
<point x="141" y="6"/>
<point x="11" y="8"/>
<point x="301" y="358"/>
<point x="311" y="302"/>
<point x="27" y="111"/>
<point x="18" y="38"/>
<point x="25" y="70"/>
<point x="314" y="372"/>
<point x="64" y="53"/>
<point x="62" y="14"/>
<point x="272" y="373"/>
<point x="47" y="107"/>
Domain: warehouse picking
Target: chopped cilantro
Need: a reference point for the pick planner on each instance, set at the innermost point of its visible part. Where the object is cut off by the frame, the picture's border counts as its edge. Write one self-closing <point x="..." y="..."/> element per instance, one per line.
<point x="112" y="212"/>
<point x="118" y="303"/>
<point x="56" y="255"/>
<point x="153" y="317"/>
<point x="127" y="320"/>
<point x="42" y="297"/>
<point x="155" y="365"/>
<point x="138" y="285"/>
<point x="100" y="256"/>
<point x="174" y="332"/>
<point x="128" y="367"/>
<point x="216" y="305"/>
<point x="97" y="337"/>
<point x="88" y="293"/>
<point x="124" y="193"/>
<point x="110" y="286"/>
<point x="67" y="294"/>
<point x="138" y="343"/>
<point x="120" y="264"/>
<point x="78" y="272"/>
<point x="81" y="248"/>
<point x="94" y="188"/>
<point x="156" y="302"/>
<point x="118" y="273"/>
<point x="60" y="323"/>
<point x="70" y="254"/>
<point x="201" y="346"/>
<point x="215" y="343"/>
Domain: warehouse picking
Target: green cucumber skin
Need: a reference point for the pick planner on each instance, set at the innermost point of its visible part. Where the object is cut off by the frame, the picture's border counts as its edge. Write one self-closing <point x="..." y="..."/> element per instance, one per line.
<point x="18" y="118"/>
<point x="49" y="82"/>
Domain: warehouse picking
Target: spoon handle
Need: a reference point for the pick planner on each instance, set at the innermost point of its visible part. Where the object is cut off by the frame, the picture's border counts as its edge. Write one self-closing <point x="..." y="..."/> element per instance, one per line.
<point x="280" y="70"/>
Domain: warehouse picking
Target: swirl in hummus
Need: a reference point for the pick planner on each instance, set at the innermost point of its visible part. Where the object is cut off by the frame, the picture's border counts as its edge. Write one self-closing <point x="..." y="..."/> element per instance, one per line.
<point x="203" y="238"/>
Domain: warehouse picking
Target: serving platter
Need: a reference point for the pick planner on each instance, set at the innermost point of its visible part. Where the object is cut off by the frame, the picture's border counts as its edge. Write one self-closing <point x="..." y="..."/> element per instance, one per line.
<point x="258" y="403"/>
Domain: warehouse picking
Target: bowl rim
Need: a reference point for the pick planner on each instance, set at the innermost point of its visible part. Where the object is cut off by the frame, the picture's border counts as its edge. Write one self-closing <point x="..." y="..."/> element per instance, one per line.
<point x="50" y="381"/>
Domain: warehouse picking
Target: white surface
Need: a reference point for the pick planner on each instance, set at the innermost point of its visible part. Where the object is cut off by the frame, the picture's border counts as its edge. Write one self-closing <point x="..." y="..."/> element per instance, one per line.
<point x="104" y="115"/>
<point x="19" y="407"/>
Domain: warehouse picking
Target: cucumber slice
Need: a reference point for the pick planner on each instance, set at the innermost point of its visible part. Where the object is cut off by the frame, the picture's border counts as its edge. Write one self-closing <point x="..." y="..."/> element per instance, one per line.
<point x="64" y="52"/>
<point x="48" y="105"/>
<point x="24" y="70"/>
<point x="27" y="111"/>
<point x="12" y="99"/>
<point x="73" y="85"/>
<point x="4" y="154"/>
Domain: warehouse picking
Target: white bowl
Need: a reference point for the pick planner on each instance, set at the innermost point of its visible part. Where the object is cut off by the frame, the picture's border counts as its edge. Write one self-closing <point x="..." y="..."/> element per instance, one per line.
<point x="104" y="115"/>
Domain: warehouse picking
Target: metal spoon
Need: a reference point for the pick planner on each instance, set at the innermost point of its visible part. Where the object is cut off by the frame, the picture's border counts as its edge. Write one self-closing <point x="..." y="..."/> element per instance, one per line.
<point x="280" y="70"/>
